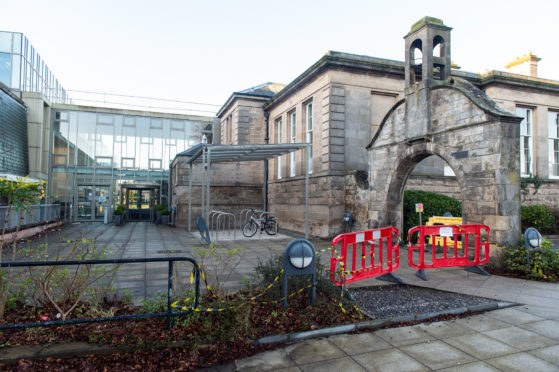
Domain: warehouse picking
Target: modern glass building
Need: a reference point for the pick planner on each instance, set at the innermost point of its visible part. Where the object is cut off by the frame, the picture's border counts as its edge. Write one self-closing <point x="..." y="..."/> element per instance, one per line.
<point x="22" y="68"/>
<point x="104" y="157"/>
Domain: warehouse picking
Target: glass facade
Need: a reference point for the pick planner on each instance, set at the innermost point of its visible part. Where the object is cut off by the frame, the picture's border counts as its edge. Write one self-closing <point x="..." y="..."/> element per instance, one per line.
<point x="97" y="157"/>
<point x="22" y="68"/>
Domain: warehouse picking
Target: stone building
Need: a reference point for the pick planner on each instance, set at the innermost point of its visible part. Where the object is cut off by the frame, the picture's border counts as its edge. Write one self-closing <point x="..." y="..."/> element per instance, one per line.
<point x="339" y="103"/>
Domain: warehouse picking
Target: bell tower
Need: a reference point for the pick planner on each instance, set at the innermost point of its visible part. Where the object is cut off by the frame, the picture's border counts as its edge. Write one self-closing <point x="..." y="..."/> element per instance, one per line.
<point x="427" y="65"/>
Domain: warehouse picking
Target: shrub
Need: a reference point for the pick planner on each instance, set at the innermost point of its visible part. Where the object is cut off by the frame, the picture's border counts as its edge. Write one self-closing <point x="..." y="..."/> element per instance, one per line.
<point x="119" y="210"/>
<point x="164" y="212"/>
<point x="537" y="216"/>
<point x="159" y="207"/>
<point x="433" y="205"/>
<point x="544" y="264"/>
<point x="265" y="273"/>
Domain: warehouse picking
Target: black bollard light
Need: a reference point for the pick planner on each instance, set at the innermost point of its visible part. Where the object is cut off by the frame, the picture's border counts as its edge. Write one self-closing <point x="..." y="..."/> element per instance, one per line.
<point x="532" y="242"/>
<point x="299" y="258"/>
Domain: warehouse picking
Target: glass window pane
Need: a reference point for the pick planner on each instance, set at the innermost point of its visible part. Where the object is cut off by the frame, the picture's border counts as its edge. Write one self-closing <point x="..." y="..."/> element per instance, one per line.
<point x="5" y="68"/>
<point x="129" y="121"/>
<point x="16" y="47"/>
<point x="5" y="42"/>
<point x="103" y="161"/>
<point x="177" y="125"/>
<point x="156" y="123"/>
<point x="16" y="69"/>
<point x="553" y="124"/>
<point x="127" y="163"/>
<point x="155" y="164"/>
<point x="105" y="119"/>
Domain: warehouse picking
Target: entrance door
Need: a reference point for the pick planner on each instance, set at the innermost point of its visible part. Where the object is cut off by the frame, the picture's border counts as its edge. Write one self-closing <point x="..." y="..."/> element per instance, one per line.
<point x="85" y="202"/>
<point x="139" y="204"/>
<point x="92" y="201"/>
<point x="101" y="201"/>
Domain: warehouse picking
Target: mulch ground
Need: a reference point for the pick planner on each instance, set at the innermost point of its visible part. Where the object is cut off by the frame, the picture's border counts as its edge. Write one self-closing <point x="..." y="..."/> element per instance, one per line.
<point x="206" y="339"/>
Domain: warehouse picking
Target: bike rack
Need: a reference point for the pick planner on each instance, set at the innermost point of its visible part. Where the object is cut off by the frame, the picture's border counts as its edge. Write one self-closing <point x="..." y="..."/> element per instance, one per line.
<point x="222" y="221"/>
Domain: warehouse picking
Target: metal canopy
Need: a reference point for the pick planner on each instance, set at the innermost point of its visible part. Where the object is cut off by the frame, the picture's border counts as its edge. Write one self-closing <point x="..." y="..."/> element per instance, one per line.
<point x="207" y="154"/>
<point x="238" y="153"/>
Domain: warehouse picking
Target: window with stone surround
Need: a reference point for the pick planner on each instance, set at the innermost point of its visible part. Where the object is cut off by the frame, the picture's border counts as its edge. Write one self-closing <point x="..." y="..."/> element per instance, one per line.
<point x="293" y="135"/>
<point x="309" y="131"/>
<point x="553" y="143"/>
<point x="525" y="140"/>
<point x="278" y="131"/>
<point x="227" y="131"/>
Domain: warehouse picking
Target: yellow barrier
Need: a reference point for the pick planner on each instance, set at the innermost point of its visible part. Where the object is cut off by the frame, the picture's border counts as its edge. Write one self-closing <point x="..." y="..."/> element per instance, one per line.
<point x="439" y="240"/>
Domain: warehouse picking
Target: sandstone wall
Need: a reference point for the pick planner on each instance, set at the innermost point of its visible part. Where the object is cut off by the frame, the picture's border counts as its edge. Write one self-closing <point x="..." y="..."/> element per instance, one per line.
<point x="326" y="204"/>
<point x="547" y="194"/>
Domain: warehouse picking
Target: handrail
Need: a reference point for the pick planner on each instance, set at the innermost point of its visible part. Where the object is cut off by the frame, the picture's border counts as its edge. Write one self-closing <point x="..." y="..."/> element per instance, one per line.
<point x="169" y="313"/>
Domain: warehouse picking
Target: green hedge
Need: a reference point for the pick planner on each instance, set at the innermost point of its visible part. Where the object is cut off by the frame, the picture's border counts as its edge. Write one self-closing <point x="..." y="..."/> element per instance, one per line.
<point x="433" y="205"/>
<point x="537" y="216"/>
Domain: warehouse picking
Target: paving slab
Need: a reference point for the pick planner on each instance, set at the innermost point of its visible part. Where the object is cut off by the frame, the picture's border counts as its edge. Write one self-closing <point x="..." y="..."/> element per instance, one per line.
<point x="334" y="365"/>
<point x="510" y="295"/>
<point x="360" y="343"/>
<point x="480" y="346"/>
<point x="530" y="299"/>
<point x="404" y="335"/>
<point x="519" y="338"/>
<point x="471" y="367"/>
<point x="547" y="328"/>
<point x="437" y="354"/>
<point x="550" y="353"/>
<point x="313" y="351"/>
<point x="445" y="329"/>
<point x="481" y="323"/>
<point x="522" y="362"/>
<point x="513" y="316"/>
<point x="266" y="361"/>
<point x="547" y="312"/>
<point x="392" y="360"/>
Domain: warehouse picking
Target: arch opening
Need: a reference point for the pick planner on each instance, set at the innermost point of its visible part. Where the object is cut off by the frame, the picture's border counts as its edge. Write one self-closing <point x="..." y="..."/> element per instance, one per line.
<point x="423" y="177"/>
<point x="416" y="60"/>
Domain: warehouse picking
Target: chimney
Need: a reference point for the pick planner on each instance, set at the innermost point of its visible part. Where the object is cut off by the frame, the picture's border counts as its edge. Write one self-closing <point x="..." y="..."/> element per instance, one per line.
<point x="525" y="65"/>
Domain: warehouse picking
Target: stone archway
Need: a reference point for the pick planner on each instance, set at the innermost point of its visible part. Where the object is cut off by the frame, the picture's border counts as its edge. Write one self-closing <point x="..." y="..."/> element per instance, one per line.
<point x="449" y="117"/>
<point x="459" y="123"/>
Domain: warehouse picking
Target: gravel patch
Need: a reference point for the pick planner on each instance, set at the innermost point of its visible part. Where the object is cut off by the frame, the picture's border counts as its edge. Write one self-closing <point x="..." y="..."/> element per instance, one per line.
<point x="383" y="302"/>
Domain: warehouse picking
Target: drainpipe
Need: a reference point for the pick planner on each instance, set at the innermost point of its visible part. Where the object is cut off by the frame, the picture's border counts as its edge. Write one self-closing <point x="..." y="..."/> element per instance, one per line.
<point x="267" y="141"/>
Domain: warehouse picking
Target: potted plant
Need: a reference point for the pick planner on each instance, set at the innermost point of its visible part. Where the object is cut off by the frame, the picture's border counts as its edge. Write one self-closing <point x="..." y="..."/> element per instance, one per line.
<point x="158" y="209"/>
<point x="164" y="217"/>
<point x="119" y="214"/>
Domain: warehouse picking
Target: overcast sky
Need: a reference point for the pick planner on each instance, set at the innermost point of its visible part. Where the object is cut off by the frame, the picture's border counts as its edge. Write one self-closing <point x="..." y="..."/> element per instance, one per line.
<point x="204" y="50"/>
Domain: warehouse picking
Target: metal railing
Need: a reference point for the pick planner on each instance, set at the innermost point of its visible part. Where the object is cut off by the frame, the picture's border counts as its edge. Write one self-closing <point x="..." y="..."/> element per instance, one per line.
<point x="32" y="215"/>
<point x="169" y="313"/>
<point x="125" y="101"/>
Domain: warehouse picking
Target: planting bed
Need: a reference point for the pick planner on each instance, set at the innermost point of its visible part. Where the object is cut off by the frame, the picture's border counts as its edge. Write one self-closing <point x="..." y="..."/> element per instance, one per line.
<point x="203" y="340"/>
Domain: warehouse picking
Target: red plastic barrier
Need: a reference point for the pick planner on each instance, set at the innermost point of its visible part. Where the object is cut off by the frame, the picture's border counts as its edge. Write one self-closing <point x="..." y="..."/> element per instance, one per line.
<point x="367" y="259"/>
<point x="467" y="234"/>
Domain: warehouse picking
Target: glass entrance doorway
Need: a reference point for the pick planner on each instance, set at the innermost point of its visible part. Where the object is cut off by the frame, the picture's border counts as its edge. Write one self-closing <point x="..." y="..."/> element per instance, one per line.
<point x="139" y="204"/>
<point x="92" y="201"/>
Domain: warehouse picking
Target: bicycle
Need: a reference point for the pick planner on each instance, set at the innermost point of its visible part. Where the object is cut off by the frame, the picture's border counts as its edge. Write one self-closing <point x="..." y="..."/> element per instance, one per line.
<point x="264" y="223"/>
